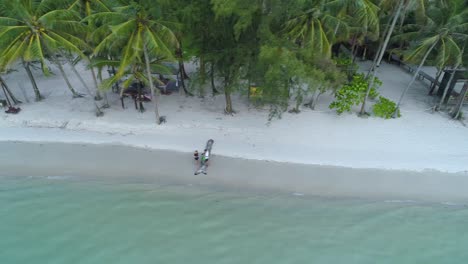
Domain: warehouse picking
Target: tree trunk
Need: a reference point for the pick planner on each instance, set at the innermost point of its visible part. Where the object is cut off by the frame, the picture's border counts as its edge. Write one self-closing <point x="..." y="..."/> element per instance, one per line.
<point x="314" y="103"/>
<point x="213" y="87"/>
<point x="8" y="91"/>
<point x="369" y="88"/>
<point x="6" y="95"/>
<point x="140" y="97"/>
<point x="79" y="76"/>
<point x="452" y="75"/>
<point x="442" y="99"/>
<point x="98" y="96"/>
<point x="202" y="69"/>
<point x="390" y="32"/>
<point x="182" y="73"/>
<point x="434" y="84"/>
<point x="182" y="76"/>
<point x="104" y="94"/>
<point x="414" y="77"/>
<point x="228" y="109"/>
<point x="379" y="50"/>
<point x="150" y="80"/>
<point x="180" y="53"/>
<point x="65" y="77"/>
<point x="312" y="99"/>
<point x="98" y="111"/>
<point x="460" y="101"/>
<point x="38" y="94"/>
<point x="353" y="48"/>
<point x="378" y="57"/>
<point x="227" y="95"/>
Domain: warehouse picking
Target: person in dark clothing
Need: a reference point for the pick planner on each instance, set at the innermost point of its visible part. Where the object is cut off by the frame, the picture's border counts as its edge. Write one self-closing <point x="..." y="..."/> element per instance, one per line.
<point x="195" y="155"/>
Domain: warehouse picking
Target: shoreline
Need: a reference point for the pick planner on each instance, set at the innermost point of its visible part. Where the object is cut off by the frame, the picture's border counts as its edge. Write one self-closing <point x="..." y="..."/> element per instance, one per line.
<point x="124" y="162"/>
<point x="230" y="148"/>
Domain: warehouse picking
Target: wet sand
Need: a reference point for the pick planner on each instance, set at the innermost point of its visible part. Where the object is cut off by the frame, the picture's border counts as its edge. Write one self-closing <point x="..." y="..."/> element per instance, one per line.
<point x="122" y="162"/>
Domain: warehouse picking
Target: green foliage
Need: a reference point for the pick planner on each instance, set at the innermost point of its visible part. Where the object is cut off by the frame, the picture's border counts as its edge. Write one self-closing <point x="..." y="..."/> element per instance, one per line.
<point x="347" y="65"/>
<point x="385" y="108"/>
<point x="353" y="93"/>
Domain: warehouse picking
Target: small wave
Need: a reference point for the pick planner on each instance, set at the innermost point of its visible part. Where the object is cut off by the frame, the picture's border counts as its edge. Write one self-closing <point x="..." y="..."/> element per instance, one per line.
<point x="449" y="203"/>
<point x="298" y="194"/>
<point x="58" y="177"/>
<point x="400" y="201"/>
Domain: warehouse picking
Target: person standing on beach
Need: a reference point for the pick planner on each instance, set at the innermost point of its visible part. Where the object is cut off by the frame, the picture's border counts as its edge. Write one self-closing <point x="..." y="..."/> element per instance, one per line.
<point x="195" y="155"/>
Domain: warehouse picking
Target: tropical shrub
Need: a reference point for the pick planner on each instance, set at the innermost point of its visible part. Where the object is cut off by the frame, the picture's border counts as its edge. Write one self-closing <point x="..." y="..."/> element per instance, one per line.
<point x="385" y="108"/>
<point x="353" y="93"/>
<point x="347" y="65"/>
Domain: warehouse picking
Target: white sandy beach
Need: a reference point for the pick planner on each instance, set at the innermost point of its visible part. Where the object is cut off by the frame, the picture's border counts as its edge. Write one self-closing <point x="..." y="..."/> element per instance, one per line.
<point x="420" y="140"/>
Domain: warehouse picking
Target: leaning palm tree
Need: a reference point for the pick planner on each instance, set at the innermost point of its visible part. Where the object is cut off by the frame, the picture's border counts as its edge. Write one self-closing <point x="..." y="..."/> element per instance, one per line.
<point x="446" y="28"/>
<point x="86" y="8"/>
<point x="34" y="30"/>
<point x="139" y="36"/>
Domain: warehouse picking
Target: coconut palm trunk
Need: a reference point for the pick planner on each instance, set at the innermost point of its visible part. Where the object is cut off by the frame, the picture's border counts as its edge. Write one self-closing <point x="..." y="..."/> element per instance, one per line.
<point x="395" y="114"/>
<point x="8" y="91"/>
<point x="446" y="88"/>
<point x="461" y="99"/>
<point x="98" y="110"/>
<point x="213" y="86"/>
<point x="37" y="93"/>
<point x="392" y="27"/>
<point x="382" y="51"/>
<point x="434" y="84"/>
<point x="150" y="80"/>
<point x="96" y="85"/>
<point x="6" y="95"/>
<point x="65" y="77"/>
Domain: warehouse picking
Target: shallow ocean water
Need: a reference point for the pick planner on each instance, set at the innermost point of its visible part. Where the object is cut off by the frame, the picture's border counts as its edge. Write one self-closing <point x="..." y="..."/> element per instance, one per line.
<point x="72" y="220"/>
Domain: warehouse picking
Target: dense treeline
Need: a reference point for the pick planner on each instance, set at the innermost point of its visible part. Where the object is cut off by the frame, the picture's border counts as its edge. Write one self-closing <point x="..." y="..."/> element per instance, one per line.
<point x="281" y="53"/>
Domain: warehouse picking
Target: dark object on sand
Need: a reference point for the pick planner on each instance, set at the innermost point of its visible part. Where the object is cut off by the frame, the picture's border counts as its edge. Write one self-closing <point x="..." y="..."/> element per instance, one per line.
<point x="13" y="110"/>
<point x="139" y="95"/>
<point x="169" y="87"/>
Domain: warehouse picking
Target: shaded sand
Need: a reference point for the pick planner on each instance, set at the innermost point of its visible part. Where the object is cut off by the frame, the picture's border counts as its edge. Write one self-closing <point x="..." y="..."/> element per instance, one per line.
<point x="58" y="159"/>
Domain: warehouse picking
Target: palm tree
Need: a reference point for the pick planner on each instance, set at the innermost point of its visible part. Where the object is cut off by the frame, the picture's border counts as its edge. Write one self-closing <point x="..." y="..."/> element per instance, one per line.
<point x="140" y="36"/>
<point x="309" y="29"/>
<point x="86" y="8"/>
<point x="34" y="30"/>
<point x="358" y="13"/>
<point x="380" y="53"/>
<point x="447" y="25"/>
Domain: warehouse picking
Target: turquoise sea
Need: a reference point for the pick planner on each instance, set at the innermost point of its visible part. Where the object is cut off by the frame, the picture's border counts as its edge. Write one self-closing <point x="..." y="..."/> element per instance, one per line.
<point x="47" y="220"/>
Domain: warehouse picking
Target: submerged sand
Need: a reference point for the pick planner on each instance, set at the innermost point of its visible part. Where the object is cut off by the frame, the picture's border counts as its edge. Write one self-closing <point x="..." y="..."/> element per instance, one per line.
<point x="100" y="160"/>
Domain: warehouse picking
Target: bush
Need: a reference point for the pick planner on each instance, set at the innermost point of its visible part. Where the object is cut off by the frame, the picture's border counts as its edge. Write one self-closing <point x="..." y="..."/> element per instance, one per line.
<point x="346" y="65"/>
<point x="385" y="108"/>
<point x="353" y="93"/>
